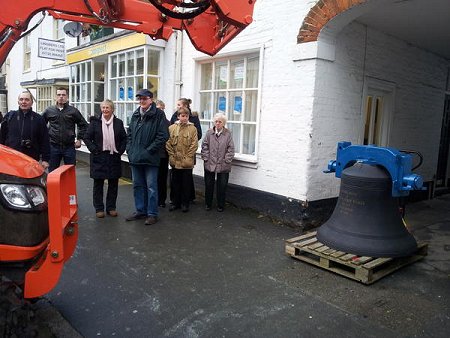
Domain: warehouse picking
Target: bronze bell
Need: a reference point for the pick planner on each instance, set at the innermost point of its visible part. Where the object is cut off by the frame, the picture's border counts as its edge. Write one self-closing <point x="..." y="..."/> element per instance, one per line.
<point x="366" y="220"/>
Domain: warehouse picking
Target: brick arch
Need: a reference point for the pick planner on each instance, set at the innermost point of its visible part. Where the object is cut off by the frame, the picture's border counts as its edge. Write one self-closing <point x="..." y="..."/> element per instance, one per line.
<point x="319" y="15"/>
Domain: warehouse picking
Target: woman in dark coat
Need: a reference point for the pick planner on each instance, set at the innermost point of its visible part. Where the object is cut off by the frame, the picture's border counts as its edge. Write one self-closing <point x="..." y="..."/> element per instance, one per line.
<point x="106" y="139"/>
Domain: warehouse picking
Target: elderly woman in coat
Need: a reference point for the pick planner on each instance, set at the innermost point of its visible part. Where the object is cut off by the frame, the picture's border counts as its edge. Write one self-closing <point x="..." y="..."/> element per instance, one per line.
<point x="106" y="139"/>
<point x="217" y="154"/>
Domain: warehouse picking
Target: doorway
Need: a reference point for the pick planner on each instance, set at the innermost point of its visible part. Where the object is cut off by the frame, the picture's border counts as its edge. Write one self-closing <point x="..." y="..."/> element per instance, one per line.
<point x="444" y="145"/>
<point x="378" y="103"/>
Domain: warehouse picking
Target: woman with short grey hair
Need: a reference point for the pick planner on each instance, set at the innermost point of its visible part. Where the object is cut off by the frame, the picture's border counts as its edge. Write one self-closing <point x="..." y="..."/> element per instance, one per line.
<point x="217" y="154"/>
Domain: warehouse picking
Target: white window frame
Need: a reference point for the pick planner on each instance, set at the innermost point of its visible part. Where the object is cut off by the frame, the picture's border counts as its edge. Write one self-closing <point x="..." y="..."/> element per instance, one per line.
<point x="126" y="103"/>
<point x="81" y="87"/>
<point x="207" y="123"/>
<point x="26" y="53"/>
<point x="45" y="97"/>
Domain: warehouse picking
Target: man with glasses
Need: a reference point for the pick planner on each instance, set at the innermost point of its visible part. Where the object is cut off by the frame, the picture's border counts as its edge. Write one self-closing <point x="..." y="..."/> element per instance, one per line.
<point x="147" y="134"/>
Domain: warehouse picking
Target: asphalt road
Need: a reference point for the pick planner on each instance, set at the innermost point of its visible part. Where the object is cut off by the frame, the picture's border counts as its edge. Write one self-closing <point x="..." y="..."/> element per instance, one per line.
<point x="210" y="274"/>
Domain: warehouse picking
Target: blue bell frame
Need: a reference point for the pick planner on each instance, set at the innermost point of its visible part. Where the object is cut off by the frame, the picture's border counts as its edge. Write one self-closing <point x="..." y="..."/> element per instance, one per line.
<point x="396" y="163"/>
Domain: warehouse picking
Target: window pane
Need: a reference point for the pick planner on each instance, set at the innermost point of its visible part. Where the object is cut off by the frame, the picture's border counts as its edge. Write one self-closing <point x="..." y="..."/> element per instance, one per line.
<point x="130" y="63"/>
<point x="237" y="74"/>
<point x="73" y="74"/>
<point x="235" y="129"/>
<point x="140" y="61"/>
<point x="99" y="92"/>
<point x="249" y="138"/>
<point x="153" y="62"/>
<point x="251" y="101"/>
<point x="140" y="82"/>
<point x="205" y="126"/>
<point x="205" y="106"/>
<point x="121" y="90"/>
<point x="97" y="110"/>
<point x="88" y="71"/>
<point x="113" y="90"/>
<point x="252" y="72"/>
<point x="152" y="85"/>
<point x="114" y="66"/>
<point x="220" y="102"/>
<point x="235" y="106"/>
<point x="88" y="91"/>
<point x="83" y="92"/>
<point x="99" y="71"/>
<point x="120" y="108"/>
<point x="206" y="77"/>
<point x="221" y="75"/>
<point x="83" y="72"/>
<point x="122" y="65"/>
<point x="130" y="89"/>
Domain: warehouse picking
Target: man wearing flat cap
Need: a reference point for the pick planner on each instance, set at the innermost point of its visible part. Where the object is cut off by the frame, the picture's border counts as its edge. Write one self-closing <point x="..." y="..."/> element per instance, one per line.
<point x="147" y="134"/>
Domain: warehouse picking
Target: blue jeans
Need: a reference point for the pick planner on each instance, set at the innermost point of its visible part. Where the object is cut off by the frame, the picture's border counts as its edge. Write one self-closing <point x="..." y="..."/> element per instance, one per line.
<point x="145" y="188"/>
<point x="58" y="153"/>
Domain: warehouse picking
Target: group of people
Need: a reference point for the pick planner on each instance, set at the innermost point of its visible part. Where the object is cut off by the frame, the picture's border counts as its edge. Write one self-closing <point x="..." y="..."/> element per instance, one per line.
<point x="152" y="142"/>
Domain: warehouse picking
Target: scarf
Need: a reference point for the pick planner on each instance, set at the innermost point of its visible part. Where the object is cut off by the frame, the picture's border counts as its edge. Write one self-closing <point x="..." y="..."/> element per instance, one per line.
<point x="109" y="143"/>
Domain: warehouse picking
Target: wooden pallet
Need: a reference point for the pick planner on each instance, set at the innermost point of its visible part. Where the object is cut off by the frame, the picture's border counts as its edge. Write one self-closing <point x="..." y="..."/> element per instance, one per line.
<point x="361" y="268"/>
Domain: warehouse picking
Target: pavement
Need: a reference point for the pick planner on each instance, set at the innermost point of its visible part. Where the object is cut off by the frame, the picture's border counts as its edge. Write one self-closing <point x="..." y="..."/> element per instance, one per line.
<point x="210" y="274"/>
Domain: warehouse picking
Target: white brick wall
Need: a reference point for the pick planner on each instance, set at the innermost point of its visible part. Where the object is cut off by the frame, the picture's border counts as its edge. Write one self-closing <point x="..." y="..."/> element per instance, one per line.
<point x="419" y="79"/>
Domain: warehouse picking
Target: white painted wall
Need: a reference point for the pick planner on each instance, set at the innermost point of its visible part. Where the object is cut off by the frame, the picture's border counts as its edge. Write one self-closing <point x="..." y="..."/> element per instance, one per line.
<point x="419" y="78"/>
<point x="286" y="99"/>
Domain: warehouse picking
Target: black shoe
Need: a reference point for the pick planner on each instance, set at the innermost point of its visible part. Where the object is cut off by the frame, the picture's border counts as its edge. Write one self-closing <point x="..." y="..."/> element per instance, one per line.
<point x="173" y="207"/>
<point x="162" y="205"/>
<point x="135" y="216"/>
<point x="207" y="208"/>
<point x="151" y="220"/>
<point x="219" y="209"/>
<point x="184" y="208"/>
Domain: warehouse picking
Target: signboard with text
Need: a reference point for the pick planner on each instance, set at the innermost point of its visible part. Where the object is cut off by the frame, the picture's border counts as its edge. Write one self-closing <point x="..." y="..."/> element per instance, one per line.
<point x="51" y="49"/>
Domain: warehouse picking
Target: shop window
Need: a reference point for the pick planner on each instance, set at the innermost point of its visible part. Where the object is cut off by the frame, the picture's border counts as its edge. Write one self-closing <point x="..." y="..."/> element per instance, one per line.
<point x="87" y="86"/>
<point x="130" y="71"/>
<point x="231" y="86"/>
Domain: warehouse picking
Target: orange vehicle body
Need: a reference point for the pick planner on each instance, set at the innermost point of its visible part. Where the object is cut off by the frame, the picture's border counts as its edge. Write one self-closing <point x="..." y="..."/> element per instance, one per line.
<point x="217" y="22"/>
<point x="49" y="255"/>
<point x="40" y="257"/>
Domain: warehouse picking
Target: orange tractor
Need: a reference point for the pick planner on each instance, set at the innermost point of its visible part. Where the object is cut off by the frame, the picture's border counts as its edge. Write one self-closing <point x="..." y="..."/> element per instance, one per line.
<point x="38" y="213"/>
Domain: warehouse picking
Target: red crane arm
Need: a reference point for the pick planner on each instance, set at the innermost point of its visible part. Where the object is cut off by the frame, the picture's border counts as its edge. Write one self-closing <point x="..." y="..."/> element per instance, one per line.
<point x="210" y="25"/>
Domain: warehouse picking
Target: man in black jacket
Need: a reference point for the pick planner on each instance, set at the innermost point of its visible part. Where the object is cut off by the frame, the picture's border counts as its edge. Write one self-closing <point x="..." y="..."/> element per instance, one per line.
<point x="26" y="131"/>
<point x="62" y="119"/>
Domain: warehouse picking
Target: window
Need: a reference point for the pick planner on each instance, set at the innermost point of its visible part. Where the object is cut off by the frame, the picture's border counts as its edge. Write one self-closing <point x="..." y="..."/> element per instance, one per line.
<point x="231" y="87"/>
<point x="129" y="72"/>
<point x="45" y="97"/>
<point x="26" y="53"/>
<point x="58" y="31"/>
<point x="81" y="87"/>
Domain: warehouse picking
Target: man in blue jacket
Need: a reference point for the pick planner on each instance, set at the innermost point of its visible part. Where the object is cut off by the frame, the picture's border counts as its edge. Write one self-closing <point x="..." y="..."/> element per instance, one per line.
<point x="147" y="134"/>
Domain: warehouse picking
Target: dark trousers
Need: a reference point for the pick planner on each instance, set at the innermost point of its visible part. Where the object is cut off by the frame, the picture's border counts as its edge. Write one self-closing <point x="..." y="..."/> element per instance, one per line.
<point x="191" y="188"/>
<point x="221" y="182"/>
<point x="111" y="194"/>
<point x="162" y="179"/>
<point x="181" y="179"/>
<point x="58" y="153"/>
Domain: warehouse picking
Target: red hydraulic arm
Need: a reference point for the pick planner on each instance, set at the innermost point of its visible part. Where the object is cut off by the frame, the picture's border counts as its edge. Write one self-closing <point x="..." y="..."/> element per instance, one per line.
<point x="210" y="24"/>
